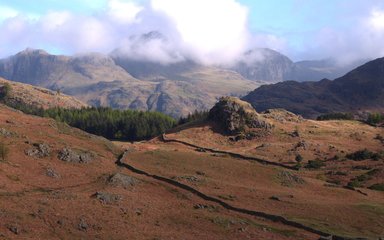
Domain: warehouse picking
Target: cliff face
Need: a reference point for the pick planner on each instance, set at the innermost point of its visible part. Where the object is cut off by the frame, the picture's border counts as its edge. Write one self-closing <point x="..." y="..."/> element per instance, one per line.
<point x="264" y="64"/>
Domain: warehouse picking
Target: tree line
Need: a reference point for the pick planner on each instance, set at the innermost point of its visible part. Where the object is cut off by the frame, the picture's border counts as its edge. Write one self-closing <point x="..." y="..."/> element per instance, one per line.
<point x="114" y="124"/>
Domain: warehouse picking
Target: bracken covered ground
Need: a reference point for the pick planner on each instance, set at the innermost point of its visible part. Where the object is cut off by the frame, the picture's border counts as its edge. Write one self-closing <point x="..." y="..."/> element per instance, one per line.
<point x="43" y="197"/>
<point x="317" y="198"/>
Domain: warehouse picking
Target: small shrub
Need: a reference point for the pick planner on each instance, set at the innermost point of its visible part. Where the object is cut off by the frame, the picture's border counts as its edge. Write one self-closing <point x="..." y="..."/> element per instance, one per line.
<point x="3" y="151"/>
<point x="373" y="172"/>
<point x="299" y="158"/>
<point x="298" y="166"/>
<point x="339" y="173"/>
<point x="377" y="187"/>
<point x="363" y="155"/>
<point x="315" y="164"/>
<point x="375" y="118"/>
<point x="363" y="178"/>
<point x="380" y="138"/>
<point x="354" y="183"/>
<point x="4" y="91"/>
<point x="359" y="180"/>
<point x="195" y="116"/>
<point x="335" y="116"/>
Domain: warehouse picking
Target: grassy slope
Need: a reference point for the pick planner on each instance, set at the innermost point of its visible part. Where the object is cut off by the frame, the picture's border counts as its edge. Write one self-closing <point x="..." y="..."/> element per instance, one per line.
<point x="42" y="207"/>
<point x="317" y="203"/>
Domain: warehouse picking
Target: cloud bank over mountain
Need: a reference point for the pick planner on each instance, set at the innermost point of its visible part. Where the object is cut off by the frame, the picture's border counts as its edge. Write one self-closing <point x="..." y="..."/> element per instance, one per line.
<point x="207" y="31"/>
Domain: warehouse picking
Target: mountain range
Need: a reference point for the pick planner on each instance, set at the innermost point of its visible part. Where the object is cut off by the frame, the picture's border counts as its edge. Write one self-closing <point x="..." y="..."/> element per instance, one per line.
<point x="122" y="81"/>
<point x="360" y="89"/>
<point x="97" y="80"/>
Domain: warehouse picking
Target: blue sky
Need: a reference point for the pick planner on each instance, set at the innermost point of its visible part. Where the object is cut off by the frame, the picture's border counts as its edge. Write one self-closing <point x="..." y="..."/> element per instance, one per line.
<point x="198" y="28"/>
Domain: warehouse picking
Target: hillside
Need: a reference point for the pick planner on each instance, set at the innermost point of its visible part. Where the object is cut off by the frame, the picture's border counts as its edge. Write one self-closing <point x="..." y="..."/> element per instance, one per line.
<point x="194" y="182"/>
<point x="97" y="80"/>
<point x="360" y="89"/>
<point x="330" y="191"/>
<point x="39" y="97"/>
<point x="59" y="182"/>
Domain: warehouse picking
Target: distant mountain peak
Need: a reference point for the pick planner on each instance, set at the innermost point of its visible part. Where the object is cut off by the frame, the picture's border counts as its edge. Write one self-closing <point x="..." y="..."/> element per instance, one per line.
<point x="153" y="35"/>
<point x="360" y="89"/>
<point x="32" y="51"/>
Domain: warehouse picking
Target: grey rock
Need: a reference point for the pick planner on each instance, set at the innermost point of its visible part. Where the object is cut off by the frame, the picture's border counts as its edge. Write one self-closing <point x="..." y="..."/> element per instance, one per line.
<point x="200" y="173"/>
<point x="39" y="150"/>
<point x="14" y="229"/>
<point x="188" y="178"/>
<point x="5" y="133"/>
<point x="326" y="237"/>
<point x="295" y="134"/>
<point x="52" y="173"/>
<point x="210" y="208"/>
<point x="275" y="198"/>
<point x="289" y="179"/>
<point x="107" y="198"/>
<point x="122" y="180"/>
<point x="75" y="156"/>
<point x="302" y="144"/>
<point x="83" y="225"/>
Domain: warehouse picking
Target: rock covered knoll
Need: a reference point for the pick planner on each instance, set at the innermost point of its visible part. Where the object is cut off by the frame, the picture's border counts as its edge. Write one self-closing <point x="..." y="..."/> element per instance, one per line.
<point x="25" y="94"/>
<point x="236" y="116"/>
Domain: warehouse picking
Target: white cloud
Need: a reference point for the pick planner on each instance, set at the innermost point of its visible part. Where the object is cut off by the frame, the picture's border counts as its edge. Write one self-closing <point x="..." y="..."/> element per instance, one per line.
<point x="362" y="40"/>
<point x="54" y="20"/>
<point x="211" y="30"/>
<point x="7" y="12"/>
<point x="376" y="20"/>
<point x="123" y="12"/>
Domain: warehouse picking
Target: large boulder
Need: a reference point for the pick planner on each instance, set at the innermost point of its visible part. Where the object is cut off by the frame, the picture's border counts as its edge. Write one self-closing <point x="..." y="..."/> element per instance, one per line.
<point x="236" y="116"/>
<point x="75" y="155"/>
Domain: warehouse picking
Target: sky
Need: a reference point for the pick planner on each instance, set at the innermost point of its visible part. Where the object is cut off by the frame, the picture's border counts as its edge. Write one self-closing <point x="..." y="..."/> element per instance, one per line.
<point x="207" y="31"/>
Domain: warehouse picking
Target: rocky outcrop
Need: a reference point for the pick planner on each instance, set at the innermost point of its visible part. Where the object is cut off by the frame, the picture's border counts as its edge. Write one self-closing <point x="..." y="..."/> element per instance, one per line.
<point x="122" y="180"/>
<point x="282" y="115"/>
<point x="39" y="150"/>
<point x="236" y="116"/>
<point x="107" y="198"/>
<point x="75" y="156"/>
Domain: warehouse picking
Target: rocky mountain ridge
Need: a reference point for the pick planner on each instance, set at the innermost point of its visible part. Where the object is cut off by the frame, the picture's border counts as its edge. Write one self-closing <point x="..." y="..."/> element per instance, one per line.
<point x="97" y="80"/>
<point x="120" y="81"/>
<point x="361" y="89"/>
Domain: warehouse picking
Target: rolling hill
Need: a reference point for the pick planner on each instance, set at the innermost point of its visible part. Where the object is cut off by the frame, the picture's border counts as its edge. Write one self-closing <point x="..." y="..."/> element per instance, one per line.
<point x="359" y="90"/>
<point x="29" y="95"/>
